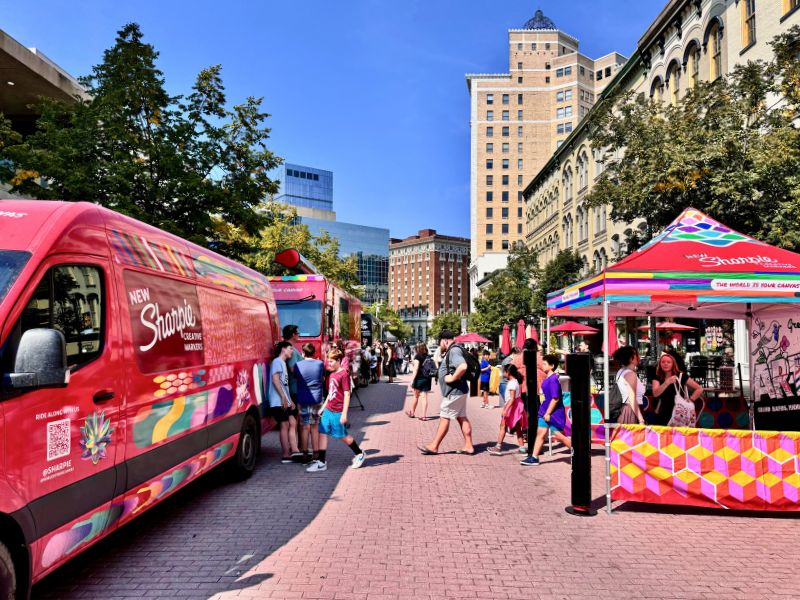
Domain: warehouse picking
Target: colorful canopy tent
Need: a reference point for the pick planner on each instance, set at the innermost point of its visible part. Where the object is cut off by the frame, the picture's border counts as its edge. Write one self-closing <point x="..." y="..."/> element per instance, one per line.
<point x="696" y="268"/>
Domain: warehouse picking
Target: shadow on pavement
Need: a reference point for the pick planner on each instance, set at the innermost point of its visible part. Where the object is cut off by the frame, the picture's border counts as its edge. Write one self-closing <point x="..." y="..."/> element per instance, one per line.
<point x="211" y="536"/>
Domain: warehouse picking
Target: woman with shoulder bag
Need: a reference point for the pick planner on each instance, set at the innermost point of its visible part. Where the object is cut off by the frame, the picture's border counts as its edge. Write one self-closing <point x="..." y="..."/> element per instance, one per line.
<point x="421" y="383"/>
<point x="672" y="387"/>
<point x="631" y="388"/>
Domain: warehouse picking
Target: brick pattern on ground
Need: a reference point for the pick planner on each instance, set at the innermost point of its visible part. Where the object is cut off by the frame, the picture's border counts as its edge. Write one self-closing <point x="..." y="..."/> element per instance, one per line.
<point x="408" y="526"/>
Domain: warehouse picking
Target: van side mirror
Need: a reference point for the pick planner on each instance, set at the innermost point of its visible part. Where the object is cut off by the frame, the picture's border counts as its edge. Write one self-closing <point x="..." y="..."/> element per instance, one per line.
<point x="41" y="361"/>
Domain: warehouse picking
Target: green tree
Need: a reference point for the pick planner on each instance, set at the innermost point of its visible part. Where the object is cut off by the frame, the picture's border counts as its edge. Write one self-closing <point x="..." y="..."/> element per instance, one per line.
<point x="723" y="149"/>
<point x="448" y="320"/>
<point x="175" y="162"/>
<point x="509" y="295"/>
<point x="391" y="320"/>
<point x="560" y="272"/>
<point x="282" y="232"/>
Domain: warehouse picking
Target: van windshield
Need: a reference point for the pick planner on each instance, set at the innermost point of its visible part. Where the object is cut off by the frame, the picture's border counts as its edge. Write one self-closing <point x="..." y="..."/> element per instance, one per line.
<point x="11" y="263"/>
<point x="306" y="314"/>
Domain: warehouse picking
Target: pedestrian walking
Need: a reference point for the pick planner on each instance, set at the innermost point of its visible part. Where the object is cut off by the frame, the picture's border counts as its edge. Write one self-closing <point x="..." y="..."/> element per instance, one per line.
<point x="281" y="407"/>
<point x="389" y="363"/>
<point x="310" y="375"/>
<point x="486" y="375"/>
<point x="503" y="378"/>
<point x="513" y="419"/>
<point x="552" y="416"/>
<point x="455" y="389"/>
<point x="423" y="369"/>
<point x="333" y="416"/>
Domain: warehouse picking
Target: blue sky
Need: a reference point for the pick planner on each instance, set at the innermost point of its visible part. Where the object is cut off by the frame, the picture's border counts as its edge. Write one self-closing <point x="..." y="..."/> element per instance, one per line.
<point x="373" y="90"/>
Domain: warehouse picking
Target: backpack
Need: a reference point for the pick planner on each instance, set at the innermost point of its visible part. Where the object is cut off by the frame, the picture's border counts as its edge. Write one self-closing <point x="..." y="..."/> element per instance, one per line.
<point x="614" y="400"/>
<point x="473" y="366"/>
<point x="428" y="368"/>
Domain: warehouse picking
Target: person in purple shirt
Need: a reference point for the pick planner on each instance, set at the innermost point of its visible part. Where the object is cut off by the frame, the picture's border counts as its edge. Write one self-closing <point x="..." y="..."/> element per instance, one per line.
<point x="552" y="415"/>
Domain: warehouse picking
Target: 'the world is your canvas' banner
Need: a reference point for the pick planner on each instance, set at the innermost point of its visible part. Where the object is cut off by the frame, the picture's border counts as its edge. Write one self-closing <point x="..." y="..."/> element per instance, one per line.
<point x="706" y="467"/>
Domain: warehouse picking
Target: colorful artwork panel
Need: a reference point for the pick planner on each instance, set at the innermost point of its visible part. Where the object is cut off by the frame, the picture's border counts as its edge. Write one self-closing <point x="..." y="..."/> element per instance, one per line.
<point x="706" y="467"/>
<point x="220" y="273"/>
<point x="70" y="540"/>
<point x="137" y="251"/>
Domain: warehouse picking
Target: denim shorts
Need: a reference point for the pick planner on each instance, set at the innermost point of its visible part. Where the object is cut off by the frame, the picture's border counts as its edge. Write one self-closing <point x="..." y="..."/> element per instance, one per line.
<point x="329" y="424"/>
<point x="309" y="415"/>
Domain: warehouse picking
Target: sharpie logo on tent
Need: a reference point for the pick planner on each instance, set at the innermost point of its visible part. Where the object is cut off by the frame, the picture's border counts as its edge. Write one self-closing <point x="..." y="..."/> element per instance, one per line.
<point x="710" y="262"/>
<point x="165" y="321"/>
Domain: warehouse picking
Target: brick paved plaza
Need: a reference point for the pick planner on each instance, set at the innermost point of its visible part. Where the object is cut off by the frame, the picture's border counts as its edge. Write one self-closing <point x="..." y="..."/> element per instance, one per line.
<point x="423" y="527"/>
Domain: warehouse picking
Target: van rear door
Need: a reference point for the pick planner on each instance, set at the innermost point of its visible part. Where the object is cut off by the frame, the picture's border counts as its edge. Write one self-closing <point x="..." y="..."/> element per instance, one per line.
<point x="62" y="441"/>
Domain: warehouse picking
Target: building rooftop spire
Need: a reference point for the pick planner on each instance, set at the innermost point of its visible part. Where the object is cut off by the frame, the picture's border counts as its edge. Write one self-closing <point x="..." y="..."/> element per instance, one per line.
<point x="539" y="21"/>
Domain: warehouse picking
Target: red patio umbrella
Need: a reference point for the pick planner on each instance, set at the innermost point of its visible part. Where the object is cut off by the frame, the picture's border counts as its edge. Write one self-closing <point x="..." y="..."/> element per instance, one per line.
<point x="670" y="325"/>
<point x="613" y="343"/>
<point x="520" y="333"/>
<point x="472" y="337"/>
<point x="505" y="342"/>
<point x="573" y="327"/>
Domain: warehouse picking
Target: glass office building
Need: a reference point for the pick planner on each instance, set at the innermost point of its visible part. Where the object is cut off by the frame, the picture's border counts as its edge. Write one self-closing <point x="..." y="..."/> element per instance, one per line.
<point x="305" y="187"/>
<point x="370" y="246"/>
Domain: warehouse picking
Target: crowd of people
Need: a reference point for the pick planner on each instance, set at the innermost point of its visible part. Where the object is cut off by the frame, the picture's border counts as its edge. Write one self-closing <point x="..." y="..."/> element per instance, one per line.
<point x="309" y="396"/>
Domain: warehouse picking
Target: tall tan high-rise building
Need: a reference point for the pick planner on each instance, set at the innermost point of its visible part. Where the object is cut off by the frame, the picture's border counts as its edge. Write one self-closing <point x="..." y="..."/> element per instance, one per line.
<point x="518" y="119"/>
<point x="427" y="277"/>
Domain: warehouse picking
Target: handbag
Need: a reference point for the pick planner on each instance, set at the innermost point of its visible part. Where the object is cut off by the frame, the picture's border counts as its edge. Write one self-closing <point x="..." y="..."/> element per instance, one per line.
<point x="684" y="414"/>
<point x="615" y="401"/>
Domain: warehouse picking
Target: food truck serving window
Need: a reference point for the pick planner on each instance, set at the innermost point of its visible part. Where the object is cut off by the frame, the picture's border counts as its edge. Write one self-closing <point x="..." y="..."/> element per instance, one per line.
<point x="11" y="263"/>
<point x="306" y="314"/>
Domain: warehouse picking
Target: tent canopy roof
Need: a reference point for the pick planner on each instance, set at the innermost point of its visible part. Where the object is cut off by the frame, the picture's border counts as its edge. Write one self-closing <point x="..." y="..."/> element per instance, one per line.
<point x="696" y="268"/>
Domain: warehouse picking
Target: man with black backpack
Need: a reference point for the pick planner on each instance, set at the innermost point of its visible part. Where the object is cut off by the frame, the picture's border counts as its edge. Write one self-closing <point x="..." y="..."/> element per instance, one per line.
<point x="454" y="372"/>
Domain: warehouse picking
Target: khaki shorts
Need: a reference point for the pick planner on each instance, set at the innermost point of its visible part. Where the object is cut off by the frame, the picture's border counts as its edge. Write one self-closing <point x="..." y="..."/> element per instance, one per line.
<point x="453" y="406"/>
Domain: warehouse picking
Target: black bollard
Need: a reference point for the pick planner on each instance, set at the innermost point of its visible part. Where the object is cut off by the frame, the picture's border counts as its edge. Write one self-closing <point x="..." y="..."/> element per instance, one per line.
<point x="531" y="398"/>
<point x="579" y="369"/>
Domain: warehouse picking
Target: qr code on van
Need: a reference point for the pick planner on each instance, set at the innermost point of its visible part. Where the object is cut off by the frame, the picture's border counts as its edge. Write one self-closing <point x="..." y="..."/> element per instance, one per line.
<point x="58" y="439"/>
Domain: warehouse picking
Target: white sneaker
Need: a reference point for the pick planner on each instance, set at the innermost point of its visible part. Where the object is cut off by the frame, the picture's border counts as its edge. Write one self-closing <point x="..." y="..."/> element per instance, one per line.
<point x="316" y="467"/>
<point x="358" y="460"/>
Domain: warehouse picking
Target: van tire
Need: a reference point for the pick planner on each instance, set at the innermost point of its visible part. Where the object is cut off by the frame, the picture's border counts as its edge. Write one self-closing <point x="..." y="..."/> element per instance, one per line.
<point x="8" y="577"/>
<point x="243" y="463"/>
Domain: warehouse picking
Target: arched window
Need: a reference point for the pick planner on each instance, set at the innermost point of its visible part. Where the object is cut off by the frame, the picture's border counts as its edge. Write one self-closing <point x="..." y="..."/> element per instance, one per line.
<point x="567" y="179"/>
<point x="657" y="89"/>
<point x="616" y="247"/>
<point x="674" y="82"/>
<point x="597" y="263"/>
<point x="570" y="237"/>
<point x="597" y="226"/>
<point x="691" y="61"/>
<point x="582" y="165"/>
<point x="585" y="268"/>
<point x="713" y="43"/>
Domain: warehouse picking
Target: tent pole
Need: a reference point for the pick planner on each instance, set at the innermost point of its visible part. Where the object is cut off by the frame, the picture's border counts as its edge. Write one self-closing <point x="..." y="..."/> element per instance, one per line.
<point x="547" y="341"/>
<point x="606" y="415"/>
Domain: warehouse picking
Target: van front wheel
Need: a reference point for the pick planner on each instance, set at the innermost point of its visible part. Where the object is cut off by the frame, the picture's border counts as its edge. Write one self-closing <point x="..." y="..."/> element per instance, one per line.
<point x="244" y="462"/>
<point x="8" y="578"/>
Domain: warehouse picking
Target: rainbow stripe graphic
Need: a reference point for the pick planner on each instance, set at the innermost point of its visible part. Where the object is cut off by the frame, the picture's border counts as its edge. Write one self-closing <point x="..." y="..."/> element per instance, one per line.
<point x="138" y="251"/>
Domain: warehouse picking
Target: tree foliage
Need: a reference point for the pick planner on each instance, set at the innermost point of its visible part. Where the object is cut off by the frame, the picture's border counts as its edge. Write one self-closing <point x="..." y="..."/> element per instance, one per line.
<point x="563" y="270"/>
<point x="173" y="161"/>
<point x="729" y="148"/>
<point x="448" y="320"/>
<point x="282" y="232"/>
<point x="391" y="320"/>
<point x="509" y="295"/>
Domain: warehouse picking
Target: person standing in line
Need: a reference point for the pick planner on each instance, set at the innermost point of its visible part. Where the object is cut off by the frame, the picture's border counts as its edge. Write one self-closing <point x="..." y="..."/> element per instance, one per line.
<point x="400" y="355"/>
<point x="309" y="374"/>
<point x="379" y="354"/>
<point x="333" y="416"/>
<point x="486" y="375"/>
<point x="291" y="334"/>
<point x="552" y="415"/>
<point x="630" y="386"/>
<point x="281" y="407"/>
<point x="513" y="418"/>
<point x="366" y="367"/>
<point x="389" y="363"/>
<point x="503" y="377"/>
<point x="374" y="358"/>
<point x="455" y="389"/>
<point x="420" y="383"/>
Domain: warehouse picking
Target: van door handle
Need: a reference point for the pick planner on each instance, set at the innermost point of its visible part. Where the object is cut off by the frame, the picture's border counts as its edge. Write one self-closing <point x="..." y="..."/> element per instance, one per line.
<point x="103" y="396"/>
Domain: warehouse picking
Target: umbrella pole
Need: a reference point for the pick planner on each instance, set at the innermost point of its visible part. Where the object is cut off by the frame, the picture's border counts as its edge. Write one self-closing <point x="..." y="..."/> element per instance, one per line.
<point x="607" y="414"/>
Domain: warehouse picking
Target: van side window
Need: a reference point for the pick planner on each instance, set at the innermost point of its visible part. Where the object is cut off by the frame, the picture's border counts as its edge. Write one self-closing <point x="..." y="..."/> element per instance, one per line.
<point x="70" y="299"/>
